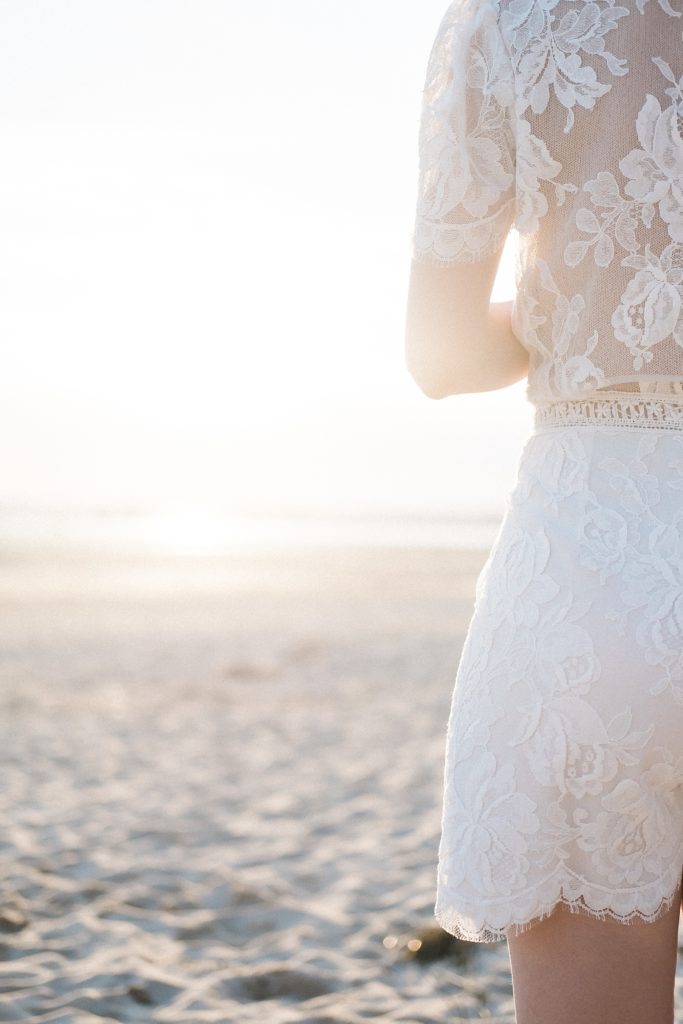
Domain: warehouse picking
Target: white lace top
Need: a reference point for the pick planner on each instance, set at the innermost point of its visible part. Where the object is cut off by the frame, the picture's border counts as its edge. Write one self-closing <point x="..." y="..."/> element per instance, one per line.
<point x="563" y="120"/>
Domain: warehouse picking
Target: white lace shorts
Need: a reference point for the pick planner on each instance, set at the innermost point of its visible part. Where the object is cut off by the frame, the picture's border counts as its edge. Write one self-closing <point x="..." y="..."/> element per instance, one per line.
<point x="563" y="781"/>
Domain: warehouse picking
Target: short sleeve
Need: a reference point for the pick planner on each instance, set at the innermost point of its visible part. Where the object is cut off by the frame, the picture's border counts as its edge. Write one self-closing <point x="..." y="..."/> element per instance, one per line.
<point x="467" y="148"/>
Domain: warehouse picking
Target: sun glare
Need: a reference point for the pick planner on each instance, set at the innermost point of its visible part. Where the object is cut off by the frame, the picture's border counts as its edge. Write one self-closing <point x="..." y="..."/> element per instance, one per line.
<point x="189" y="530"/>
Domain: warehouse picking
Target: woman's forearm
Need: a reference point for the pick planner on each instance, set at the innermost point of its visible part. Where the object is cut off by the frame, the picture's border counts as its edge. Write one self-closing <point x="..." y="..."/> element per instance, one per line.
<point x="494" y="359"/>
<point x="457" y="342"/>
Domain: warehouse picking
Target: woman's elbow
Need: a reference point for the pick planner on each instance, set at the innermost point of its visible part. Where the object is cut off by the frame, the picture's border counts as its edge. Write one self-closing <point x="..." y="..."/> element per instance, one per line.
<point x="430" y="380"/>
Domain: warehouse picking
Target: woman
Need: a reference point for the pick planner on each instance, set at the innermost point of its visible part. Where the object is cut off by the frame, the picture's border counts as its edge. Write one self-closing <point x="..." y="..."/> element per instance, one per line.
<point x="562" y="826"/>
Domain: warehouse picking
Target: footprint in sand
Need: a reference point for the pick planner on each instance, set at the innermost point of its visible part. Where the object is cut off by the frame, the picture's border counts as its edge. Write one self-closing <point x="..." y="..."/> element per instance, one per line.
<point x="276" y="984"/>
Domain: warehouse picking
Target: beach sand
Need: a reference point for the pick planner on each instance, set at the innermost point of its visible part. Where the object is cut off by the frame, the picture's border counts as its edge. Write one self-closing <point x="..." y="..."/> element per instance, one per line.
<point x="222" y="789"/>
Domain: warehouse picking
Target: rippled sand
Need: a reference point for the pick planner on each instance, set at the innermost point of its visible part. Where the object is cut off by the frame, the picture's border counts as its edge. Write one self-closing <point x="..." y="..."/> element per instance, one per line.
<point x="221" y="790"/>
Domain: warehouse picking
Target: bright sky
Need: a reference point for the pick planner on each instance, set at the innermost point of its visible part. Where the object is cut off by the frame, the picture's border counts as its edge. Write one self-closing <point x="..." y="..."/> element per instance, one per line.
<point x="206" y="208"/>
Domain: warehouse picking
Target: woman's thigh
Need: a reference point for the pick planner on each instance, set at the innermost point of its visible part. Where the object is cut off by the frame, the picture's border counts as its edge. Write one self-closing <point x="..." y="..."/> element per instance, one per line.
<point x="572" y="967"/>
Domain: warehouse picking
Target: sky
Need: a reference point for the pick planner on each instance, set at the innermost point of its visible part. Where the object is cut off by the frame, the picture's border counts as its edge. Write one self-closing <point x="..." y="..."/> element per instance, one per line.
<point x="206" y="210"/>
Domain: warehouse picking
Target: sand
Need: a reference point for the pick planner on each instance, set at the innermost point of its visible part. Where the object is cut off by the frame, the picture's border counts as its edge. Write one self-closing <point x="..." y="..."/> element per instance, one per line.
<point x="221" y="789"/>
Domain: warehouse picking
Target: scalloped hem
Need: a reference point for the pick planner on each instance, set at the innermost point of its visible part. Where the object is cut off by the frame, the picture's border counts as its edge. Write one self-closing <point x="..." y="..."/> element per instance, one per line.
<point x="462" y="927"/>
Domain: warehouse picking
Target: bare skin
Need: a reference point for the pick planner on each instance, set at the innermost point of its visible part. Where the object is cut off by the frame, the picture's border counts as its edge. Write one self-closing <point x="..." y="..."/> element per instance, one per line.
<point x="456" y="340"/>
<point x="572" y="967"/>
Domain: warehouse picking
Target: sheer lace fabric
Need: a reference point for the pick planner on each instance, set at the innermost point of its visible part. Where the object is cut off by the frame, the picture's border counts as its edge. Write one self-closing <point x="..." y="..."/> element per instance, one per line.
<point x="563" y="781"/>
<point x="562" y="120"/>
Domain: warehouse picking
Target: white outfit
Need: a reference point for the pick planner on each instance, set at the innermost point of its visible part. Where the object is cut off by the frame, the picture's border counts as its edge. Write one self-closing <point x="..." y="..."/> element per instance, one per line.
<point x="563" y="778"/>
<point x="562" y="120"/>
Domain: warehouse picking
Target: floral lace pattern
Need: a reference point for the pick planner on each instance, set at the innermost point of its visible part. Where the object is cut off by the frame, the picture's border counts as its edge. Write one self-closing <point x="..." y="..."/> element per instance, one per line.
<point x="467" y="193"/>
<point x="563" y="782"/>
<point x="563" y="119"/>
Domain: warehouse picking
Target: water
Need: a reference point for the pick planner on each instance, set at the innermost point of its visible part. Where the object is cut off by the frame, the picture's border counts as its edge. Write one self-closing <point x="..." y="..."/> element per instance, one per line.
<point x="197" y="531"/>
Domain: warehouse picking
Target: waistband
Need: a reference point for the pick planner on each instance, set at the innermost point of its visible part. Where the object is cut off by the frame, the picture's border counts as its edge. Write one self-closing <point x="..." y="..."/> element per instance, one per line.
<point x="625" y="411"/>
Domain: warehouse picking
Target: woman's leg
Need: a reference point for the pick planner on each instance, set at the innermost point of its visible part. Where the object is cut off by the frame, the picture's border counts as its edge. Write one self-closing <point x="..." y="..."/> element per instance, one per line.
<point x="572" y="967"/>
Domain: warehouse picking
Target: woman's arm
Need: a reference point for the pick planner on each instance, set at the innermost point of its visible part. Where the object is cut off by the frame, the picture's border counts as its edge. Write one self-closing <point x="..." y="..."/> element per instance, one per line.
<point x="457" y="341"/>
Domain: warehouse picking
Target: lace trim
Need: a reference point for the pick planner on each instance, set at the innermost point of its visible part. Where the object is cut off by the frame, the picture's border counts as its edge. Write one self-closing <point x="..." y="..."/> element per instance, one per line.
<point x="624" y="411"/>
<point x="450" y="244"/>
<point x="494" y="924"/>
